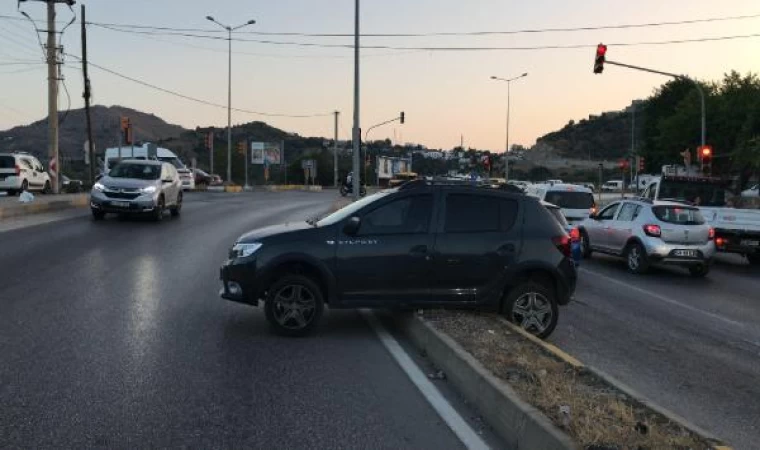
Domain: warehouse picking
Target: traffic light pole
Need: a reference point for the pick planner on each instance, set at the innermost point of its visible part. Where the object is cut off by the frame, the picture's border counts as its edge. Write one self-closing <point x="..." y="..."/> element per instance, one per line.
<point x="679" y="77"/>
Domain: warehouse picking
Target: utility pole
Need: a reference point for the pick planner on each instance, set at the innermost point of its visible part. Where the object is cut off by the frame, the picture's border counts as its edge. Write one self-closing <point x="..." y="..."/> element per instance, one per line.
<point x="357" y="134"/>
<point x="335" y="151"/>
<point x="52" y="62"/>
<point x="87" y="94"/>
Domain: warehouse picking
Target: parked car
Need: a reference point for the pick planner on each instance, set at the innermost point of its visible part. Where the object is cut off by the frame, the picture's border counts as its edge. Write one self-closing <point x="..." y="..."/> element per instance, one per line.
<point x="138" y="187"/>
<point x="420" y="245"/>
<point x="202" y="178"/>
<point x="577" y="202"/>
<point x="22" y="172"/>
<point x="645" y="233"/>
<point x="71" y="186"/>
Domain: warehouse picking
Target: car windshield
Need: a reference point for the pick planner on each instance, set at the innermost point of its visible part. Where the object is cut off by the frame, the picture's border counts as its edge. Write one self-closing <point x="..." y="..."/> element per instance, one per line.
<point x="570" y="200"/>
<point x="679" y="215"/>
<point x="350" y="209"/>
<point x="695" y="192"/>
<point x="136" y="171"/>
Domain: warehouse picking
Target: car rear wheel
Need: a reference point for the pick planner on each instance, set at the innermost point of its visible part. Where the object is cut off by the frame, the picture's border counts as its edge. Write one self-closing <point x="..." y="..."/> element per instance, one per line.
<point x="294" y="305"/>
<point x="753" y="258"/>
<point x="532" y="307"/>
<point x="24" y="186"/>
<point x="47" y="189"/>
<point x="636" y="258"/>
<point x="699" y="271"/>
<point x="585" y="245"/>
<point x="176" y="209"/>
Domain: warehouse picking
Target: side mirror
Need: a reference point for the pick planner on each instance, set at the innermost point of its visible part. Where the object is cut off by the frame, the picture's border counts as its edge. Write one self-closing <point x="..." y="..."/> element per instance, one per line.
<point x="351" y="227"/>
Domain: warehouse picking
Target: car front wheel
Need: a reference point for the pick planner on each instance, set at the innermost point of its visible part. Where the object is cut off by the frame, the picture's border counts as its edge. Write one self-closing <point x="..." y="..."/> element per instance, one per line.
<point x="294" y="305"/>
<point x="533" y="308"/>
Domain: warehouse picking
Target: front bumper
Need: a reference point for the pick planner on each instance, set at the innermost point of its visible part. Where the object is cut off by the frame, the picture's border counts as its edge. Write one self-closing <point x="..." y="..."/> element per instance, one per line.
<point x="236" y="276"/>
<point x="143" y="204"/>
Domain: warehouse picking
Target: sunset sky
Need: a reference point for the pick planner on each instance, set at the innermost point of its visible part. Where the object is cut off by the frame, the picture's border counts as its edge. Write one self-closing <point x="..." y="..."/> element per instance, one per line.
<point x="445" y="94"/>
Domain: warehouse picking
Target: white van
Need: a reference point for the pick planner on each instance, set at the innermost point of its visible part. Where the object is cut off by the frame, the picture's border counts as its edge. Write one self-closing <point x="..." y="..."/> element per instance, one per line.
<point x="141" y="152"/>
<point x="612" y="186"/>
<point x="577" y="202"/>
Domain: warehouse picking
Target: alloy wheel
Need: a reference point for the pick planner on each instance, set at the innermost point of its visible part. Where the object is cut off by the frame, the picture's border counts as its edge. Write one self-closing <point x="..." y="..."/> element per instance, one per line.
<point x="294" y="306"/>
<point x="533" y="312"/>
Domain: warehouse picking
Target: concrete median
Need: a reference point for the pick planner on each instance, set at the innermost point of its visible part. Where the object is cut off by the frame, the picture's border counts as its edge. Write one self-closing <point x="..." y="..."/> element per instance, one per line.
<point x="11" y="207"/>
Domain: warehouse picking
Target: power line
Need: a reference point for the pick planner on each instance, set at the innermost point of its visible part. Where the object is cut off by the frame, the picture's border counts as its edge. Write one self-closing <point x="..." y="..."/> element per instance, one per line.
<point x="197" y="100"/>
<point x="448" y="49"/>
<point x="453" y="33"/>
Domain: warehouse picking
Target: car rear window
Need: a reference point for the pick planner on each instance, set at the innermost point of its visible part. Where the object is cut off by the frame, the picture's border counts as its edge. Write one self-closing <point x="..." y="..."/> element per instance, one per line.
<point x="570" y="200"/>
<point x="679" y="215"/>
<point x="7" y="162"/>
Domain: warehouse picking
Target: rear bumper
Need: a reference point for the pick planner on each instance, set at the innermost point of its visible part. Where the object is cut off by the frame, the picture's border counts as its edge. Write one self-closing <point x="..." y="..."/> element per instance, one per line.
<point x="10" y="182"/>
<point x="737" y="241"/>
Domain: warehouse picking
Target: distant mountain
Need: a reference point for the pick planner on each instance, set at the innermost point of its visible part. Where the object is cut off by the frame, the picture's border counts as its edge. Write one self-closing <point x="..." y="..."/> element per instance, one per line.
<point x="603" y="137"/>
<point x="73" y="132"/>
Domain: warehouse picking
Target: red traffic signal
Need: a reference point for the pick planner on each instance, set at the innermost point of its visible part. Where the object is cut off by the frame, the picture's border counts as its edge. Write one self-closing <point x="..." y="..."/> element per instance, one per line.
<point x="642" y="164"/>
<point x="623" y="164"/>
<point x="601" y="55"/>
<point x="705" y="152"/>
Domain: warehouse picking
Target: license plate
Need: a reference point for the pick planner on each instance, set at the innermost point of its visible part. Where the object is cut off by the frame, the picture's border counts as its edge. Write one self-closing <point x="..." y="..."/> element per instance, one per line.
<point x="751" y="243"/>
<point x="120" y="204"/>
<point x="686" y="253"/>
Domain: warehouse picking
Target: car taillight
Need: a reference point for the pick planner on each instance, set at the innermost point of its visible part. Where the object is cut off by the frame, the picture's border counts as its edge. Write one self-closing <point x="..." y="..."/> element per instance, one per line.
<point x="18" y="170"/>
<point x="563" y="244"/>
<point x="575" y="235"/>
<point x="652" y="230"/>
<point x="711" y="234"/>
<point x="720" y="242"/>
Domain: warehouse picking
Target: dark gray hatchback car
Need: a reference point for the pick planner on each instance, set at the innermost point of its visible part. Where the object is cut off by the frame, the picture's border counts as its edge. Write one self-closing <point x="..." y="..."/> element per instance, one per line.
<point x="420" y="245"/>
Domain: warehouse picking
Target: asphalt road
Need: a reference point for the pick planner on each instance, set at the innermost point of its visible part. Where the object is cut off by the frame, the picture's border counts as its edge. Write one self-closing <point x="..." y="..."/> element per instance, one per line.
<point x="112" y="335"/>
<point x="690" y="345"/>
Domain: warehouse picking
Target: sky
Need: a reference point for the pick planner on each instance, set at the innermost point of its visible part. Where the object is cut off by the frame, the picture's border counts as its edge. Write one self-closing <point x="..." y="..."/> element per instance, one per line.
<point x="446" y="95"/>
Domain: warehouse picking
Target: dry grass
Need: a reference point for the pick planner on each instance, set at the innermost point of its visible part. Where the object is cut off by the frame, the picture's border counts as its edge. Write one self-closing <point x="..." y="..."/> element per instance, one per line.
<point x="600" y="417"/>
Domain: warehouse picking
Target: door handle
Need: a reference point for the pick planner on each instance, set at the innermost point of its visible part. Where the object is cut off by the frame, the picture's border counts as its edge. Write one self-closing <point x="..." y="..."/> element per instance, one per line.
<point x="506" y="249"/>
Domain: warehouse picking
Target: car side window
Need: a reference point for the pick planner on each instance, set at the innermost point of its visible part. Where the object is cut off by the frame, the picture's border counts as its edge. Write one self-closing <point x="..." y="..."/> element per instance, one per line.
<point x="467" y="213"/>
<point x="608" y="213"/>
<point x="26" y="163"/>
<point x="652" y="190"/>
<point x="629" y="212"/>
<point x="408" y="215"/>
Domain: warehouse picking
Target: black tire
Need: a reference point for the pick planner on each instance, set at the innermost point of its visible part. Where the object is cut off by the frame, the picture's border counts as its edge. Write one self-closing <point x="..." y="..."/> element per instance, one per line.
<point x="636" y="258"/>
<point x="98" y="214"/>
<point x="527" y="306"/>
<point x="177" y="209"/>
<point x="699" y="271"/>
<point x="158" y="212"/>
<point x="24" y="186"/>
<point x="753" y="258"/>
<point x="10" y="192"/>
<point x="585" y="245"/>
<point x="47" y="189"/>
<point x="281" y="299"/>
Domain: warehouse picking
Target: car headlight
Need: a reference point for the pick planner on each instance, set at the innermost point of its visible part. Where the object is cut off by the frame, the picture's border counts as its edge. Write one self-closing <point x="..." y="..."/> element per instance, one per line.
<point x="244" y="250"/>
<point x="148" y="190"/>
<point x="98" y="187"/>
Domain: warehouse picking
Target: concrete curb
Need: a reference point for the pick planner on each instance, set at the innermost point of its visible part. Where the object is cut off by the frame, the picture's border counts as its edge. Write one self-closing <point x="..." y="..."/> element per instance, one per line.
<point x="619" y="385"/>
<point x="519" y="424"/>
<point x="292" y="187"/>
<point x="23" y="209"/>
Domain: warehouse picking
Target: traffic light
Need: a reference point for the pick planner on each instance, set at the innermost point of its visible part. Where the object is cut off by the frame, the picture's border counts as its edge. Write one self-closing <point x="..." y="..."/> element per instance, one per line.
<point x="126" y="129"/>
<point x="402" y="117"/>
<point x="601" y="53"/>
<point x="623" y="164"/>
<point x="705" y="157"/>
<point x="642" y="164"/>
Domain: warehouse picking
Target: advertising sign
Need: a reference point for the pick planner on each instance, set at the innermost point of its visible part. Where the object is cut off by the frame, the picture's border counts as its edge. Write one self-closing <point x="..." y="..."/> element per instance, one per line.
<point x="266" y="153"/>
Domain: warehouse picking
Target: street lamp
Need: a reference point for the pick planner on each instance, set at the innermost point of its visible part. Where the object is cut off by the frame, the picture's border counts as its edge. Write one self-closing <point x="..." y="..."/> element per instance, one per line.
<point x="229" y="94"/>
<point x="506" y="150"/>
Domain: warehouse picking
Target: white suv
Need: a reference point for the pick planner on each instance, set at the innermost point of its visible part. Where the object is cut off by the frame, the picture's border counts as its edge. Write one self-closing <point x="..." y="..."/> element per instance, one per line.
<point x="22" y="172"/>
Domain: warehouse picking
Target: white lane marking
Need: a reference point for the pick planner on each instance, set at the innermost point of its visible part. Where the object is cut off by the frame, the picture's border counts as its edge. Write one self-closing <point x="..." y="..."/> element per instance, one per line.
<point x="665" y="299"/>
<point x="453" y="419"/>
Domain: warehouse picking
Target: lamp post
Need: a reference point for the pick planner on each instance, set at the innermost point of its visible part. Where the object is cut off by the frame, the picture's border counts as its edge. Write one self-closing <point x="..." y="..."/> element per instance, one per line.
<point x="229" y="91"/>
<point x="506" y="149"/>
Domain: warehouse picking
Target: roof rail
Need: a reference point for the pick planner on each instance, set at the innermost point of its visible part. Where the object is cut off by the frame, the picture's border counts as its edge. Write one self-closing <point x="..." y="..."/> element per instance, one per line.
<point x="419" y="183"/>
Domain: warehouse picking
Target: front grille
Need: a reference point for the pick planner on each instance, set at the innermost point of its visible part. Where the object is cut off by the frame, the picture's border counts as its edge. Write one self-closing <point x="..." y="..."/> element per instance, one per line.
<point x="122" y="195"/>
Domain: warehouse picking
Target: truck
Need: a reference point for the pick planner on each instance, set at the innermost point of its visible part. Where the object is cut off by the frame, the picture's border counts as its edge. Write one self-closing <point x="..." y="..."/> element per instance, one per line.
<point x="737" y="230"/>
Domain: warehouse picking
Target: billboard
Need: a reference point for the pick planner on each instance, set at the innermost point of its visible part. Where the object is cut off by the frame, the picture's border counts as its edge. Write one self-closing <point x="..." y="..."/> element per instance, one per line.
<point x="388" y="166"/>
<point x="266" y="153"/>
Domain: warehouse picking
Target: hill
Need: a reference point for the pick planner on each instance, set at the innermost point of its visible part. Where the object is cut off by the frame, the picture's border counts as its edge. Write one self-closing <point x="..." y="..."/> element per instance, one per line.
<point x="603" y="137"/>
<point x="73" y="133"/>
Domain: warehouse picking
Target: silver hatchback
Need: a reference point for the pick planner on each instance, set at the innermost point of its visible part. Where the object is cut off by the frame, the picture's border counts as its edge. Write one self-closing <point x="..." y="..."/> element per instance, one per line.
<point x="646" y="234"/>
